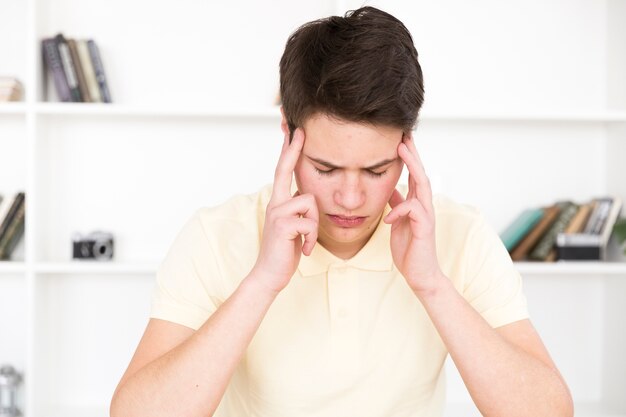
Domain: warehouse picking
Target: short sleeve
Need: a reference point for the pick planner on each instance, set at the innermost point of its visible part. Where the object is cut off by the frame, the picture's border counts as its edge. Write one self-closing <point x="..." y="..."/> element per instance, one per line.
<point x="188" y="279"/>
<point x="493" y="286"/>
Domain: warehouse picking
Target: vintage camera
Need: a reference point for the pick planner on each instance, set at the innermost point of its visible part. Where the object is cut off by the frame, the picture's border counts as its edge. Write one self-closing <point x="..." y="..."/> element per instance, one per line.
<point x="10" y="380"/>
<point x="96" y="245"/>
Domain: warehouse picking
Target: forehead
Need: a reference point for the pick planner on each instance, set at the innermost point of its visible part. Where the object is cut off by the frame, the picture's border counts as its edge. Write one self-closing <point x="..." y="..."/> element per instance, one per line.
<point x="329" y="137"/>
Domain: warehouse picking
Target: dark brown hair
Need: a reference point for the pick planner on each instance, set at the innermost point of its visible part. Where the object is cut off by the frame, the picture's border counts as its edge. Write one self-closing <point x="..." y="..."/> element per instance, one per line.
<point x="361" y="68"/>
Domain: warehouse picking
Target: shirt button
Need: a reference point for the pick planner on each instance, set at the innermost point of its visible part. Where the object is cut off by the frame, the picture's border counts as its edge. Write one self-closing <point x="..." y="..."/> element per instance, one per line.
<point x="342" y="313"/>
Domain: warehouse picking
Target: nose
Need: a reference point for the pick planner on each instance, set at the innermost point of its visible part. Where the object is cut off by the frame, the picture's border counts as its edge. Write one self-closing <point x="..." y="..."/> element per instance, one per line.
<point x="350" y="193"/>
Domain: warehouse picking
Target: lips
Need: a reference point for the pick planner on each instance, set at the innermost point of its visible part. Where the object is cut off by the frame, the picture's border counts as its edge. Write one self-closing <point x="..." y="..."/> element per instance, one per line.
<point x="347" y="221"/>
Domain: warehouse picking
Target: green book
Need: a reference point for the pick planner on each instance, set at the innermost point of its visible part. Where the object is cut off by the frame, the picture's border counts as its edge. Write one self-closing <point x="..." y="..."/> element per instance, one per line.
<point x="520" y="227"/>
<point x="541" y="251"/>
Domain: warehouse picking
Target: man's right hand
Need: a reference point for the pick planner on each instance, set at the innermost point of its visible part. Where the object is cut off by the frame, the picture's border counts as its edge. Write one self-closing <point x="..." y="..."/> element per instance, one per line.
<point x="287" y="219"/>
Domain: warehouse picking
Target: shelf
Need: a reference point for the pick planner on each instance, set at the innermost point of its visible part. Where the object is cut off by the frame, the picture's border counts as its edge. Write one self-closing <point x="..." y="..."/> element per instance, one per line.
<point x="571" y="268"/>
<point x="96" y="267"/>
<point x="521" y="116"/>
<point x="273" y="112"/>
<point x="13" y="108"/>
<point x="59" y="411"/>
<point x="12" y="267"/>
<point x="582" y="268"/>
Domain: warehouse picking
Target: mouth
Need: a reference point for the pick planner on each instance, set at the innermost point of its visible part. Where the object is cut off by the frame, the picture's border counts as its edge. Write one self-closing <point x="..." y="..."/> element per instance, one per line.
<point x="347" y="221"/>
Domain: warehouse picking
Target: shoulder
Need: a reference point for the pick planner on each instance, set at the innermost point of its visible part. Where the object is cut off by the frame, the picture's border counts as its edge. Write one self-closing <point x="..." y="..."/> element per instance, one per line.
<point x="455" y="223"/>
<point x="232" y="233"/>
<point x="448" y="209"/>
<point x="238" y="214"/>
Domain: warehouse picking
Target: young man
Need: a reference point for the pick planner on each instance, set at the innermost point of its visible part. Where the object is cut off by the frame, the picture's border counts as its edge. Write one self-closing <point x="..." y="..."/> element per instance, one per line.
<point x="243" y="325"/>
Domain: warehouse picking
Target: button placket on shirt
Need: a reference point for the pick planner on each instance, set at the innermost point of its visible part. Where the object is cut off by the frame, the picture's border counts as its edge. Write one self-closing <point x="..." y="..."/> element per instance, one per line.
<point x="343" y="303"/>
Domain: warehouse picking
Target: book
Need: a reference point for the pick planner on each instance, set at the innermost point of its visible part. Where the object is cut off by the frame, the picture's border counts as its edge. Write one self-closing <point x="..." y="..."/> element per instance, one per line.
<point x="52" y="60"/>
<point x="520" y="227"/>
<point x="580" y="219"/>
<point x="94" y="53"/>
<point x="80" y="75"/>
<point x="9" y="213"/>
<point x="591" y="245"/>
<point x="541" y="252"/>
<point x="529" y="242"/>
<point x="90" y="74"/>
<point x="14" y="232"/>
<point x="598" y="215"/>
<point x="68" y="66"/>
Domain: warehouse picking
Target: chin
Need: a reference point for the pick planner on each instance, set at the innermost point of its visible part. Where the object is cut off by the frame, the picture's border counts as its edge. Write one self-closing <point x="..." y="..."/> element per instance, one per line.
<point x="348" y="234"/>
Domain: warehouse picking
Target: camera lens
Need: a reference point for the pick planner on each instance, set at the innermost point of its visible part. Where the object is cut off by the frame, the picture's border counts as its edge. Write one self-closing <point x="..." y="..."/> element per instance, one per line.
<point x="103" y="250"/>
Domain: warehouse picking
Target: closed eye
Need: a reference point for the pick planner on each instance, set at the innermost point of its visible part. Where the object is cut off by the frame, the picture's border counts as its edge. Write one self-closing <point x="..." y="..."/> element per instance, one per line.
<point x="376" y="174"/>
<point x="324" y="172"/>
<point x="369" y="171"/>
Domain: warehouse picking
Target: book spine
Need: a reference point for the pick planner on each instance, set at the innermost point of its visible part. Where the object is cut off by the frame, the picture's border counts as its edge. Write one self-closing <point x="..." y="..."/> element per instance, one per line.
<point x="94" y="53"/>
<point x="13" y="233"/>
<point x="15" y="239"/>
<point x="52" y="58"/>
<point x="10" y="214"/>
<point x="80" y="75"/>
<point x="612" y="216"/>
<point x="587" y="253"/>
<point x="605" y="207"/>
<point x="542" y="250"/>
<point x="578" y="239"/>
<point x="521" y="251"/>
<point x="520" y="227"/>
<point x="68" y="66"/>
<point x="580" y="219"/>
<point x="90" y="74"/>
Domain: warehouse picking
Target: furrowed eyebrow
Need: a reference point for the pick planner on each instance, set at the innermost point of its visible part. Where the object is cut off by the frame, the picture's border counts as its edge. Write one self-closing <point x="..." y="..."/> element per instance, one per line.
<point x="333" y="166"/>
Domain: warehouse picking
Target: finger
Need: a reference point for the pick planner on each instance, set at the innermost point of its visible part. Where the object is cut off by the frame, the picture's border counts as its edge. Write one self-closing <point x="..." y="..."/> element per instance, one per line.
<point x="285" y="167"/>
<point x="300" y="206"/>
<point x="296" y="228"/>
<point x="420" y="171"/>
<point x="419" y="183"/>
<point x="310" y="238"/>
<point x="411" y="209"/>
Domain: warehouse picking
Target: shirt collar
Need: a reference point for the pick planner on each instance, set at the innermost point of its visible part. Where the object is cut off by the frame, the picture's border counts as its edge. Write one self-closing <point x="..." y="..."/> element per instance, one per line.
<point x="374" y="256"/>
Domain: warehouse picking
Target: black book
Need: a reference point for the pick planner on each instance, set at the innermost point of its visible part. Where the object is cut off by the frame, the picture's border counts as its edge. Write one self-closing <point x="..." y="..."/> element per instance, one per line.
<point x="52" y="59"/>
<point x="94" y="53"/>
<point x="68" y="66"/>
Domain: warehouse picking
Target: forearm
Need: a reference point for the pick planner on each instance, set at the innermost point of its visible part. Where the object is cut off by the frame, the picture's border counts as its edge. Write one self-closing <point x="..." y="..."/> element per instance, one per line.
<point x="190" y="380"/>
<point x="502" y="379"/>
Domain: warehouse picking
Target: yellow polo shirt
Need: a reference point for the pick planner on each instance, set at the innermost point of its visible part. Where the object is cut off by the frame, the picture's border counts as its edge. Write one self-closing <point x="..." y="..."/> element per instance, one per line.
<point x="345" y="337"/>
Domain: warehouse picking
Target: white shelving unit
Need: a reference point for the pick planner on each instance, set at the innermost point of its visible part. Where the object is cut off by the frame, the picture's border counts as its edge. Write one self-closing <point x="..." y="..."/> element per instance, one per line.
<point x="525" y="104"/>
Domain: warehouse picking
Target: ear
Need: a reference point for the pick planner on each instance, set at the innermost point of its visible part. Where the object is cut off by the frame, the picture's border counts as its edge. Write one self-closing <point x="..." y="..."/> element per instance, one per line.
<point x="283" y="122"/>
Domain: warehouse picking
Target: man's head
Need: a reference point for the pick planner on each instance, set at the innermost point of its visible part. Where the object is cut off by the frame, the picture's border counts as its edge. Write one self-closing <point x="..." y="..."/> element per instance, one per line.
<point x="360" y="68"/>
<point x="353" y="86"/>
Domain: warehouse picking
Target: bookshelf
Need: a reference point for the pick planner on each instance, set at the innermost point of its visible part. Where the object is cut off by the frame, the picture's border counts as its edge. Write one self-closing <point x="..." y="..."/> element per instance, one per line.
<point x="508" y="123"/>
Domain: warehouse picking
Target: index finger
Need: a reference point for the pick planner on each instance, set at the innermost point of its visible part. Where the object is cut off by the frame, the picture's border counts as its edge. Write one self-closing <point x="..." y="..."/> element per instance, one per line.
<point x="289" y="156"/>
<point x="418" y="180"/>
